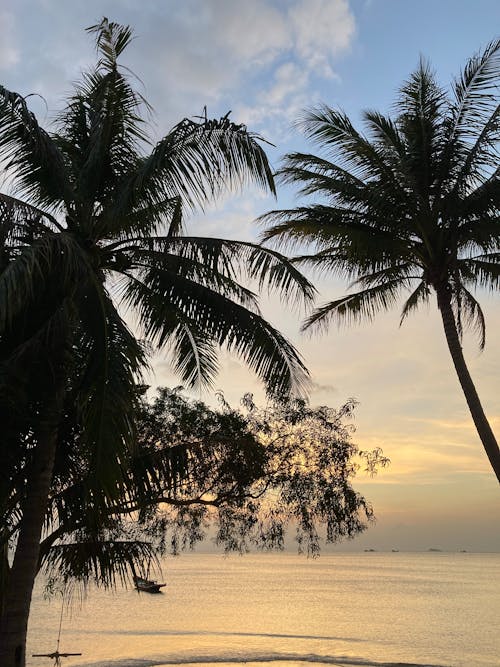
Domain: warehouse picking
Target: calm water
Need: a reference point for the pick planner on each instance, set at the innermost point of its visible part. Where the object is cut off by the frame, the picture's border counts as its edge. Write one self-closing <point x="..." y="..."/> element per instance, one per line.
<point x="341" y="609"/>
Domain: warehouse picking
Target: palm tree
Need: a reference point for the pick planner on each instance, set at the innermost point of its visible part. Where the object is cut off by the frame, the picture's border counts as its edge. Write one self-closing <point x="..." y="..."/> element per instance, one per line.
<point x="100" y="227"/>
<point x="413" y="206"/>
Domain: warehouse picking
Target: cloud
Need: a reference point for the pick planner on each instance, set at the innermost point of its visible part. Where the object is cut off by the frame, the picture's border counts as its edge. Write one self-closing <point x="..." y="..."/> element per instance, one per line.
<point x="258" y="58"/>
<point x="322" y="30"/>
<point x="256" y="32"/>
<point x="9" y="53"/>
<point x="289" y="79"/>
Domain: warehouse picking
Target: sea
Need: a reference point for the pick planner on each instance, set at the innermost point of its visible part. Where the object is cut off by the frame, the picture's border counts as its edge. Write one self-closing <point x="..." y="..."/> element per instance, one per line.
<point x="366" y="609"/>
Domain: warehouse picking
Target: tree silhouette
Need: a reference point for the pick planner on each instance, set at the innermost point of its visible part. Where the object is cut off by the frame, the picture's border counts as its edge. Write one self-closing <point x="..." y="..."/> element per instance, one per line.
<point x="411" y="207"/>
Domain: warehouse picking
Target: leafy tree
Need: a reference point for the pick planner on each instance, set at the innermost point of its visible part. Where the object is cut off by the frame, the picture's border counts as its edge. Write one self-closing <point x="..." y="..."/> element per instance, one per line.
<point x="249" y="474"/>
<point x="413" y="206"/>
<point x="100" y="230"/>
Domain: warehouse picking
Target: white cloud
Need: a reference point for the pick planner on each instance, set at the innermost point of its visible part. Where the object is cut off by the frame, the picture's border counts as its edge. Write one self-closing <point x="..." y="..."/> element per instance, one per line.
<point x="263" y="59"/>
<point x="322" y="30"/>
<point x="289" y="79"/>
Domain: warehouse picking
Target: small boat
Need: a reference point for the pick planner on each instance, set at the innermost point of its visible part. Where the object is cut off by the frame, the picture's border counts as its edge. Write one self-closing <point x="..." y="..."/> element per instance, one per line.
<point x="147" y="585"/>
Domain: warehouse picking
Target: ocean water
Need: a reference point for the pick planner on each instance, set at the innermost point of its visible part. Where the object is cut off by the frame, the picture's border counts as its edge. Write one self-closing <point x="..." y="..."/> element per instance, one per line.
<point x="364" y="609"/>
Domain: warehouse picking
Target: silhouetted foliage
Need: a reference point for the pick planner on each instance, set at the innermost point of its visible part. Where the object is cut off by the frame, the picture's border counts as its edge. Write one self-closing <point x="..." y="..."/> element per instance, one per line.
<point x="413" y="206"/>
<point x="249" y="474"/>
<point x="98" y="228"/>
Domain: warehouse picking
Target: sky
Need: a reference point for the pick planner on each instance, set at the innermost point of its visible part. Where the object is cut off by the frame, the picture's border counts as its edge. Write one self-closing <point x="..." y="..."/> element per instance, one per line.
<point x="266" y="61"/>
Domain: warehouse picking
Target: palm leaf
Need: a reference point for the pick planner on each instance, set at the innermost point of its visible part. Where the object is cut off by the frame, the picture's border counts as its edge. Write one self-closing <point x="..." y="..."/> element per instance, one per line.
<point x="356" y="306"/>
<point x="196" y="161"/>
<point x="105" y="561"/>
<point x="194" y="356"/>
<point x="33" y="159"/>
<point x="468" y="312"/>
<point x="112" y="365"/>
<point x="229" y="260"/>
<point x="476" y="91"/>
<point x="162" y="302"/>
<point x="417" y="297"/>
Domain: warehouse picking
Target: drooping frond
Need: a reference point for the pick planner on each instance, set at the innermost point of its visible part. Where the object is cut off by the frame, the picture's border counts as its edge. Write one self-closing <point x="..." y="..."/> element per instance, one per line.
<point x="194" y="356"/>
<point x="483" y="270"/>
<point x="197" y="161"/>
<point x="316" y="224"/>
<point x="221" y="262"/>
<point x="468" y="314"/>
<point x="419" y="296"/>
<point x="356" y="306"/>
<point x="338" y="231"/>
<point x="162" y="302"/>
<point x="32" y="158"/>
<point x="113" y="360"/>
<point x="105" y="561"/>
<point x="20" y="225"/>
<point x="481" y="205"/>
<point x="35" y="267"/>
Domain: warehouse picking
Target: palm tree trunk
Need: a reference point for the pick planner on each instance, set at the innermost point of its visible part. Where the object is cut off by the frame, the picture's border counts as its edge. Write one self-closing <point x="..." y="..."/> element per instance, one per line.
<point x="21" y="578"/>
<point x="481" y="422"/>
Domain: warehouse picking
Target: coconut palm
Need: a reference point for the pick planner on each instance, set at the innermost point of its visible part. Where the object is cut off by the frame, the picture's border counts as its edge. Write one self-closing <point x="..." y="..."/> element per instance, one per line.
<point x="412" y="206"/>
<point x="97" y="230"/>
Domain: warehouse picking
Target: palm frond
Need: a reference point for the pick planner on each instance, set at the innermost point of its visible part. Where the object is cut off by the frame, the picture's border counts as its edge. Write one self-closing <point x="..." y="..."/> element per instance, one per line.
<point x="471" y="127"/>
<point x="468" y="312"/>
<point x="315" y="224"/>
<point x="417" y="297"/>
<point x="196" y="161"/>
<point x="103" y="561"/>
<point x="481" y="159"/>
<point x="331" y="229"/>
<point x="113" y="363"/>
<point x="420" y="107"/>
<point x="481" y="202"/>
<point x="33" y="159"/>
<point x="102" y="146"/>
<point x="194" y="357"/>
<point x="228" y="260"/>
<point x="143" y="262"/>
<point x="484" y="270"/>
<point x="355" y="307"/>
<point x="163" y="303"/>
<point x="176" y="226"/>
<point x="476" y="93"/>
<point x="334" y="132"/>
<point x="111" y="40"/>
<point x="33" y="269"/>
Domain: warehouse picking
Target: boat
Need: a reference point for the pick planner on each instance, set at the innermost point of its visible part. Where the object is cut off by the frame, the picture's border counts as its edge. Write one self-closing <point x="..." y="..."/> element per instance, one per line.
<point x="147" y="585"/>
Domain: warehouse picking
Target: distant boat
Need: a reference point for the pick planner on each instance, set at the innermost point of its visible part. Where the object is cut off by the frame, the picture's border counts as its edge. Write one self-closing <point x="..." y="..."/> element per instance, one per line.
<point x="395" y="551"/>
<point x="370" y="550"/>
<point x="147" y="585"/>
